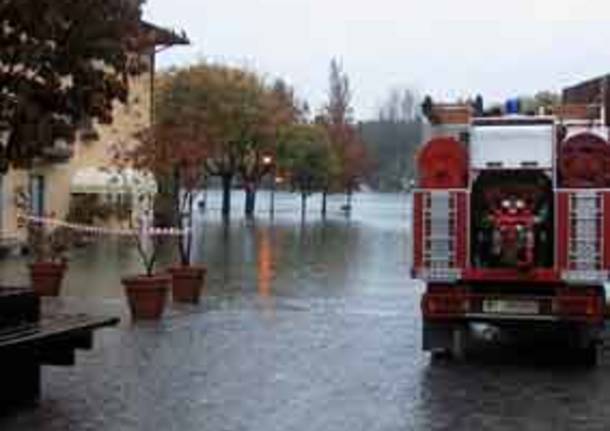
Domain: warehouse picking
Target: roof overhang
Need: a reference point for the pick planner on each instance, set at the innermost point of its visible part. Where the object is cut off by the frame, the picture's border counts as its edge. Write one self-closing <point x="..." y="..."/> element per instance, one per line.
<point x="159" y="36"/>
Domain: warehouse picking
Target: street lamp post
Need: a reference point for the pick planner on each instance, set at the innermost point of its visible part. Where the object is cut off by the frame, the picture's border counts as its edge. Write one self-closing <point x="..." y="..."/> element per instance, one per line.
<point x="272" y="206"/>
<point x="268" y="163"/>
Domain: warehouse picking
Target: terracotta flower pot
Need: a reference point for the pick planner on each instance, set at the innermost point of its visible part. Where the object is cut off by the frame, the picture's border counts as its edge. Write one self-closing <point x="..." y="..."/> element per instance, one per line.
<point x="187" y="283"/>
<point x="147" y="296"/>
<point x="47" y="277"/>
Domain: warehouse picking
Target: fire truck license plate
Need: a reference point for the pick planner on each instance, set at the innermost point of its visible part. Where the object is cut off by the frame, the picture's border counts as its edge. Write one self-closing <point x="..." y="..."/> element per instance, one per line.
<point x="500" y="306"/>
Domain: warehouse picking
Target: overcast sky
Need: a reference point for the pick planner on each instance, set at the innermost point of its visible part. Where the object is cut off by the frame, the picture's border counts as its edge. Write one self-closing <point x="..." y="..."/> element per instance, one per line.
<point x="447" y="48"/>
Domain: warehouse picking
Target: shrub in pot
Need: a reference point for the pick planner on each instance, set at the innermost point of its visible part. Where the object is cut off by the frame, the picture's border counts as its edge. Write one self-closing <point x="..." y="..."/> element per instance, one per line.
<point x="47" y="244"/>
<point x="47" y="270"/>
<point x="187" y="279"/>
<point x="187" y="283"/>
<point x="173" y="151"/>
<point x="146" y="293"/>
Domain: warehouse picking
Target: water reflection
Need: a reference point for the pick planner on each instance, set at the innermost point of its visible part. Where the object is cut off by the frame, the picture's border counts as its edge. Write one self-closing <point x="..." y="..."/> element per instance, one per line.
<point x="265" y="263"/>
<point x="283" y="256"/>
<point x="340" y="336"/>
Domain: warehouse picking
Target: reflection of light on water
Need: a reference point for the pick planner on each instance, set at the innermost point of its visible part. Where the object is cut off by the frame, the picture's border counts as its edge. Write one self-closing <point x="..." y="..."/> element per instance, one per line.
<point x="264" y="264"/>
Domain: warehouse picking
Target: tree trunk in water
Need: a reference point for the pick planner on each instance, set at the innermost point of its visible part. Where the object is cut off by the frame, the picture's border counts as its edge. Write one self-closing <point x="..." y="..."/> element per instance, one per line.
<point x="349" y="199"/>
<point x="303" y="205"/>
<point x="324" y="196"/>
<point x="164" y="208"/>
<point x="176" y="216"/>
<point x="250" y="199"/>
<point x="227" y="181"/>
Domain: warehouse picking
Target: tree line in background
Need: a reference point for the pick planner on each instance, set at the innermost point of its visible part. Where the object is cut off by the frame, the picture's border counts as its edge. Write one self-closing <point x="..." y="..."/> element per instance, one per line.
<point x="392" y="140"/>
<point x="238" y="127"/>
<point x="64" y="63"/>
<point x="232" y="124"/>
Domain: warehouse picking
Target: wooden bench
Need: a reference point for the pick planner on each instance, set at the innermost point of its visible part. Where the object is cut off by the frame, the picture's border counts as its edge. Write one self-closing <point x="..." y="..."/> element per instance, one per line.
<point x="29" y="341"/>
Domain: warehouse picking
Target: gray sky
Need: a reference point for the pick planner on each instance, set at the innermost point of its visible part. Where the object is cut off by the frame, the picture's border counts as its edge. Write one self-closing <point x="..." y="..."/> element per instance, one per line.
<point x="447" y="48"/>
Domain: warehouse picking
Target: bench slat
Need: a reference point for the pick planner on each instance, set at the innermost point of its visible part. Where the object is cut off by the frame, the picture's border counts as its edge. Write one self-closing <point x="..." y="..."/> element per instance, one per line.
<point x="52" y="328"/>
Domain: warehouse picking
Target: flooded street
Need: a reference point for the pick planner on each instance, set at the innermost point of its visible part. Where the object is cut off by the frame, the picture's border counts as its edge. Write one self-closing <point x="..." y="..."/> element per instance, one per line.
<point x="310" y="325"/>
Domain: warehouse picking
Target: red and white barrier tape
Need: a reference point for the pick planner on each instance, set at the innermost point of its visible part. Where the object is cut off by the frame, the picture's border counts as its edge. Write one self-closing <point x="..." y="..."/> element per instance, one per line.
<point x="97" y="230"/>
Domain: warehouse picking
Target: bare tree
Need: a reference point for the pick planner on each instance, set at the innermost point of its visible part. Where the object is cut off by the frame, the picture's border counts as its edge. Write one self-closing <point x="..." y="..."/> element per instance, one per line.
<point x="400" y="106"/>
<point x="344" y="135"/>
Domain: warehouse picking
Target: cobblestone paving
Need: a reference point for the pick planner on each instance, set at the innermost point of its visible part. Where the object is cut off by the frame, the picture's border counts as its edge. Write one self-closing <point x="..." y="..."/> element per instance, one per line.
<point x="304" y="364"/>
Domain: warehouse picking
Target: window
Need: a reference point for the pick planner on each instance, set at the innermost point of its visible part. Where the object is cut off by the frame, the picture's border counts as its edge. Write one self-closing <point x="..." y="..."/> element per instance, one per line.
<point x="37" y="191"/>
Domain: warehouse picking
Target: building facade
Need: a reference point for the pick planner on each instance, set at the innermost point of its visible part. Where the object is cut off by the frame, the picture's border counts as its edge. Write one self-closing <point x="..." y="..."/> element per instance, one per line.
<point x="51" y="182"/>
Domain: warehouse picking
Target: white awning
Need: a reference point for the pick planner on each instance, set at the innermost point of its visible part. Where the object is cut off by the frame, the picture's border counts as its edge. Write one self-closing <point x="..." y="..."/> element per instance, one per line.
<point x="113" y="181"/>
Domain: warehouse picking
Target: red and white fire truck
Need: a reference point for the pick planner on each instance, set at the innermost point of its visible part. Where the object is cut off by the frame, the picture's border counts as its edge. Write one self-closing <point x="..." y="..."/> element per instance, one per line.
<point x="511" y="225"/>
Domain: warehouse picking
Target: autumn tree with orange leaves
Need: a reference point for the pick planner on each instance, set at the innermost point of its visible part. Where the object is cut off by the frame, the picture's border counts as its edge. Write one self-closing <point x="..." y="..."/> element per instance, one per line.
<point x="221" y="119"/>
<point x="280" y="110"/>
<point x="169" y="150"/>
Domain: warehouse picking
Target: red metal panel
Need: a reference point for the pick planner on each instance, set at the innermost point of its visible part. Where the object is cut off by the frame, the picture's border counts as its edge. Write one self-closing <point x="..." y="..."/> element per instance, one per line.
<point x="606" y="231"/>
<point x="418" y="228"/>
<point x="562" y="237"/>
<point x="513" y="276"/>
<point x="461" y="230"/>
<point x="456" y="303"/>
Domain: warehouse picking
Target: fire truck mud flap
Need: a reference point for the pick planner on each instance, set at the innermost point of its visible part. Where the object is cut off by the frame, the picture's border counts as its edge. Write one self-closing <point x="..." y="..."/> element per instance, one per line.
<point x="446" y="338"/>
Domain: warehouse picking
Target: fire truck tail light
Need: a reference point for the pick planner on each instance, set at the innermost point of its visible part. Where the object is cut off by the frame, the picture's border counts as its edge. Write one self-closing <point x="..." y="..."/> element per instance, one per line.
<point x="579" y="307"/>
<point x="444" y="305"/>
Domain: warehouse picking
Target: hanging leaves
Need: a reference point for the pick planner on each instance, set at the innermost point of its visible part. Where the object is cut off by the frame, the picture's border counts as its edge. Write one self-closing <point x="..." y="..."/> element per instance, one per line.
<point x="62" y="62"/>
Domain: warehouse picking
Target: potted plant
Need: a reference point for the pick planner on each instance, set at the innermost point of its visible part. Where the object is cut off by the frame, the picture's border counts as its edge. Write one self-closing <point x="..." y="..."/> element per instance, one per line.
<point x="171" y="151"/>
<point x="146" y="293"/>
<point x="48" y="245"/>
<point x="187" y="279"/>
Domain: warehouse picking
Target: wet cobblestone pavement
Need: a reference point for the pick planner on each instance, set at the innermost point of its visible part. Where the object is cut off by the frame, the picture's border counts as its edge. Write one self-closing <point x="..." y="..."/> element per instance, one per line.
<point x="304" y="364"/>
<point x="314" y="345"/>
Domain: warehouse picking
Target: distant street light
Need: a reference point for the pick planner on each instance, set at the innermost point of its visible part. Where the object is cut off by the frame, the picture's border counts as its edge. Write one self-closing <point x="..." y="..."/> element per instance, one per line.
<point x="269" y="165"/>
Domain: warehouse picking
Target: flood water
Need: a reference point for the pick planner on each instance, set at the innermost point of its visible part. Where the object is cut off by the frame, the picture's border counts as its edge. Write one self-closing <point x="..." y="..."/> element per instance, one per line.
<point x="279" y="255"/>
<point x="306" y="325"/>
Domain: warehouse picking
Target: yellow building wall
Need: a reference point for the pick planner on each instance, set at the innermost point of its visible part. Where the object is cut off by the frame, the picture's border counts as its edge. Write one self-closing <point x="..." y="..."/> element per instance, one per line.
<point x="128" y="120"/>
<point x="8" y="215"/>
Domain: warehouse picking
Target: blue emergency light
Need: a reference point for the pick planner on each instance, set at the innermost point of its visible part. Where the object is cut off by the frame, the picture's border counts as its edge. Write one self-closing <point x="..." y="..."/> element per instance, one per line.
<point x="513" y="107"/>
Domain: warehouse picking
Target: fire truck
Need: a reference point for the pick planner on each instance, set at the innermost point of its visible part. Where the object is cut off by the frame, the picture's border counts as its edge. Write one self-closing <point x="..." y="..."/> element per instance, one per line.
<point x="511" y="224"/>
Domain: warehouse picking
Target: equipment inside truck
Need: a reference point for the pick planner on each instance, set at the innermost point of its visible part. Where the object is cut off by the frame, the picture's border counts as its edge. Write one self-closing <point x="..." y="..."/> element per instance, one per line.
<point x="512" y="220"/>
